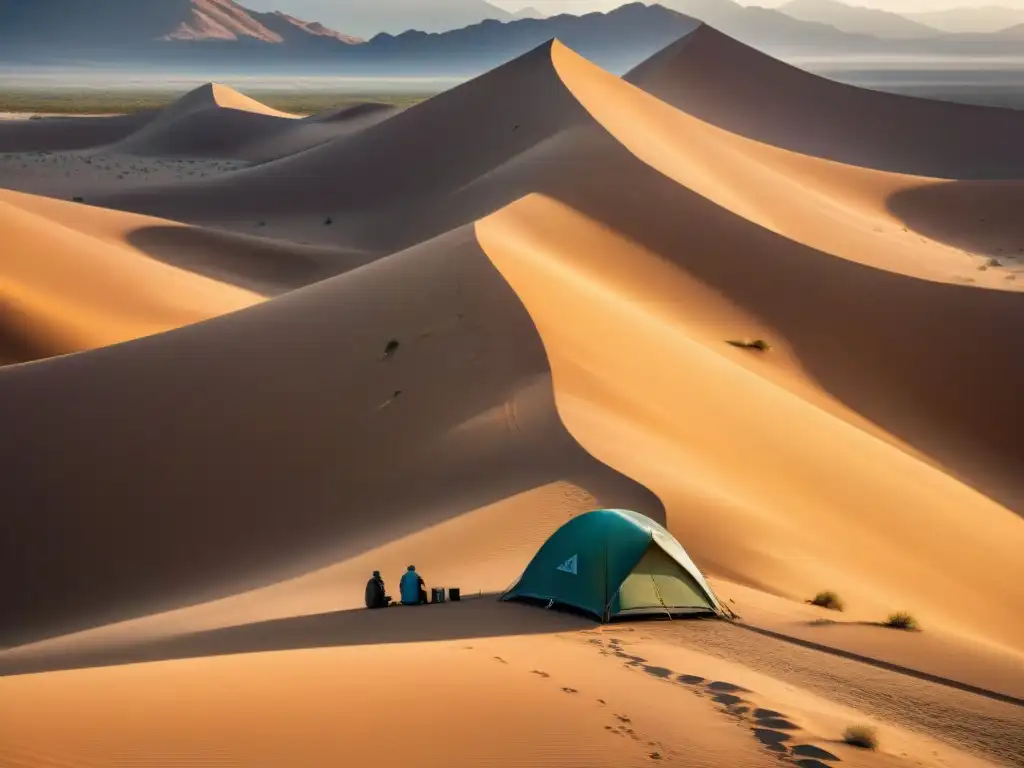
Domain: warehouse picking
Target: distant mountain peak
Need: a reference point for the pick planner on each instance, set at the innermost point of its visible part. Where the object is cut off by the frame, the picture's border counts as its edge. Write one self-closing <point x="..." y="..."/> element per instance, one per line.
<point x="126" y="22"/>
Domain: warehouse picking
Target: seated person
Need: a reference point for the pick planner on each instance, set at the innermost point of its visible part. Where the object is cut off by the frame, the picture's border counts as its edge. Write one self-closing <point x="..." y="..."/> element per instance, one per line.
<point x="412" y="588"/>
<point x="376" y="595"/>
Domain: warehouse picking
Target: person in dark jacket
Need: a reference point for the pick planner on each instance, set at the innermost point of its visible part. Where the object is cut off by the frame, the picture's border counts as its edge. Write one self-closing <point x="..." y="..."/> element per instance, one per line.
<point x="412" y="588"/>
<point x="376" y="594"/>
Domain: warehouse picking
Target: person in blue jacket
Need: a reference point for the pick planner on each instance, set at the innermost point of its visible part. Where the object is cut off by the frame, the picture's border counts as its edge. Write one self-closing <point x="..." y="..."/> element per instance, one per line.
<point x="412" y="588"/>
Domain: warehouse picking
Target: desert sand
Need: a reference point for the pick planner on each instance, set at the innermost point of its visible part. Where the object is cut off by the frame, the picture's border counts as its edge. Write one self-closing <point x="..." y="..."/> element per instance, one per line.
<point x="206" y="448"/>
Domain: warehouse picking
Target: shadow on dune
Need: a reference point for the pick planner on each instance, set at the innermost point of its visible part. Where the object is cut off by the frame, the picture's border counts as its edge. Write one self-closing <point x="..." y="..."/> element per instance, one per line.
<point x="19" y="342"/>
<point x="259" y="264"/>
<point x="474" y="617"/>
<point x="975" y="216"/>
<point x="267" y="444"/>
<point x="888" y="360"/>
<point x="64" y="134"/>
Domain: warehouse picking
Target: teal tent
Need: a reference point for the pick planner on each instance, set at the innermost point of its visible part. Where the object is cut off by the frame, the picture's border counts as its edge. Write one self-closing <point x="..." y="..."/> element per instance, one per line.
<point x="615" y="563"/>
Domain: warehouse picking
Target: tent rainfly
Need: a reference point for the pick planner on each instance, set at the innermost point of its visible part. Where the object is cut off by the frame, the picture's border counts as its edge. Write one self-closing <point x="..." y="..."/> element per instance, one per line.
<point x="613" y="564"/>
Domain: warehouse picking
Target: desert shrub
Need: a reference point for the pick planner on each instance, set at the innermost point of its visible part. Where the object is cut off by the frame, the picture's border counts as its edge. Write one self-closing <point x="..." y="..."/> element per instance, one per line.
<point x="901" y="620"/>
<point x="863" y="736"/>
<point x="829" y="600"/>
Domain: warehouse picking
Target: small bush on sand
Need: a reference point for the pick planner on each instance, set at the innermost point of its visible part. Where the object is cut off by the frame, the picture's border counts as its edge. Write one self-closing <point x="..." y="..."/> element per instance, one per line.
<point x="863" y="736"/>
<point x="829" y="600"/>
<point x="901" y="620"/>
<point x="759" y="344"/>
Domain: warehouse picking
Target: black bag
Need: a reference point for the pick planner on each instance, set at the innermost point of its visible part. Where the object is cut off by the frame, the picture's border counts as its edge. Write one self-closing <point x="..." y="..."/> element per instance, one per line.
<point x="374" y="594"/>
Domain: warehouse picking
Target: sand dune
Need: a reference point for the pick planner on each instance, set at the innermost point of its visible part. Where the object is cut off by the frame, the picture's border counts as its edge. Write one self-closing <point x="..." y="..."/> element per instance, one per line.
<point x="209" y="121"/>
<point x="87" y="291"/>
<point x="562" y="257"/>
<point x="310" y="478"/>
<point x="106" y="277"/>
<point x="742" y="90"/>
<point x="54" y="134"/>
<point x="212" y="121"/>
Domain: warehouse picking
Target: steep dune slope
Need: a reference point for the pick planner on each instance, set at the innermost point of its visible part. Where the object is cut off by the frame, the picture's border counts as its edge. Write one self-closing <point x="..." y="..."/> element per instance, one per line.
<point x="301" y="447"/>
<point x="432" y="148"/>
<point x="742" y="90"/>
<point x="823" y="502"/>
<point x="210" y="121"/>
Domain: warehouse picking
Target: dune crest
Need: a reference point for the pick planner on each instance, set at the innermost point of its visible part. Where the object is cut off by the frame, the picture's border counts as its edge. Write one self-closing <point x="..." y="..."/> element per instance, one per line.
<point x="217" y="95"/>
<point x="724" y="82"/>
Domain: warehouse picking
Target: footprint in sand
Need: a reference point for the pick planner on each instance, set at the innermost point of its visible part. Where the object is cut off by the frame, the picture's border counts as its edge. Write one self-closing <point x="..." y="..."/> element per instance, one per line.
<point x="720" y="686"/>
<point x="569" y="690"/>
<point x="776" y="721"/>
<point x="662" y="672"/>
<point x="539" y="672"/>
<point x="772" y="740"/>
<point x="690" y="679"/>
<point x="809" y="750"/>
<point x="728" y="699"/>
<point x="498" y="658"/>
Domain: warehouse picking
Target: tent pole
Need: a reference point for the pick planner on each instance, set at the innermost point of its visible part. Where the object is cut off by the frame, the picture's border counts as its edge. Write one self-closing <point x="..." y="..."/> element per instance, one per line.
<point x="661" y="599"/>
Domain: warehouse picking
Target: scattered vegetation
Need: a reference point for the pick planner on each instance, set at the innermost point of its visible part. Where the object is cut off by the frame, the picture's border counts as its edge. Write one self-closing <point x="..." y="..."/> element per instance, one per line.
<point x="901" y="620"/>
<point x="829" y="600"/>
<point x="863" y="736"/>
<point x="759" y="344"/>
<point x="77" y="200"/>
<point x="390" y="347"/>
<point x="97" y="102"/>
<point x="328" y="221"/>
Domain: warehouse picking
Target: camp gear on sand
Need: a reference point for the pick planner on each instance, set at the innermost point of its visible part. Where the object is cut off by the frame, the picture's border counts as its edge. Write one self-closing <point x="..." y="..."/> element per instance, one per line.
<point x="615" y="563"/>
<point x="437" y="595"/>
<point x="454" y="594"/>
<point x="411" y="588"/>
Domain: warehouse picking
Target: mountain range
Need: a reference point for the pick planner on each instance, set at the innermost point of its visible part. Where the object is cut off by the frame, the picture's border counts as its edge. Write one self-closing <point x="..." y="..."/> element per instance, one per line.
<point x="91" y="23"/>
<point x="981" y="20"/>
<point x="366" y="18"/>
<point x="216" y="32"/>
<point x="887" y="25"/>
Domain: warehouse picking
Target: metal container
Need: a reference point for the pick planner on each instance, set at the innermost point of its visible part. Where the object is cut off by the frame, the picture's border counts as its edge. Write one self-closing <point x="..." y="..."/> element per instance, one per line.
<point x="437" y="595"/>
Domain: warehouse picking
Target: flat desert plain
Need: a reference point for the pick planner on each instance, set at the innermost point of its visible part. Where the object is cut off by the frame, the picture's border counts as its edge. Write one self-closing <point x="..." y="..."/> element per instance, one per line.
<point x="248" y="358"/>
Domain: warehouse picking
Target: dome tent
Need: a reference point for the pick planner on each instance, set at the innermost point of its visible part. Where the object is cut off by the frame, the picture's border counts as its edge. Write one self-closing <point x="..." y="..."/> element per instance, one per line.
<point x="615" y="563"/>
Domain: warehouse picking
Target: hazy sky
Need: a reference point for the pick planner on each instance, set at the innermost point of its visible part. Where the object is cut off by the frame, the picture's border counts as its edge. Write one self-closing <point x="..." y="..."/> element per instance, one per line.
<point x="898" y="6"/>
